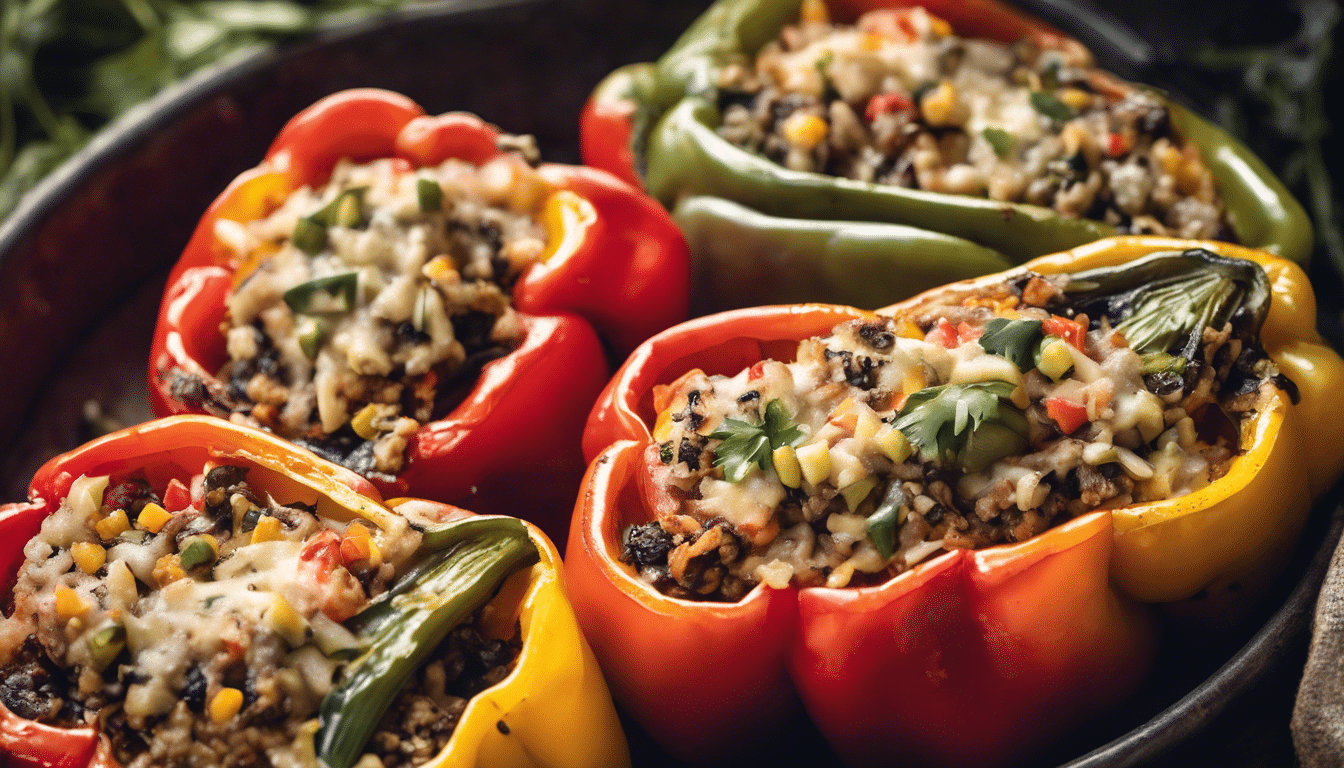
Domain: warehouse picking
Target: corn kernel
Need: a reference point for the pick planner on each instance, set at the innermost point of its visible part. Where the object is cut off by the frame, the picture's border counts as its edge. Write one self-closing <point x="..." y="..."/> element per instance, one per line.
<point x="69" y="604"/>
<point x="894" y="444"/>
<point x="913" y="381"/>
<point x="786" y="466"/>
<point x="286" y="622"/>
<point x="226" y="704"/>
<point x="88" y="556"/>
<point x="1170" y="158"/>
<point x="906" y="329"/>
<point x="1056" y="360"/>
<point x="814" y="12"/>
<point x="939" y="26"/>
<point x="867" y="426"/>
<point x="1076" y="98"/>
<point x="662" y="429"/>
<point x="113" y="525"/>
<point x="939" y="103"/>
<point x="362" y="422"/>
<point x="441" y="271"/>
<point x="268" y="529"/>
<point x="354" y="550"/>
<point x="168" y="569"/>
<point x="814" y="460"/>
<point x="804" y="131"/>
<point x="872" y="41"/>
<point x="153" y="517"/>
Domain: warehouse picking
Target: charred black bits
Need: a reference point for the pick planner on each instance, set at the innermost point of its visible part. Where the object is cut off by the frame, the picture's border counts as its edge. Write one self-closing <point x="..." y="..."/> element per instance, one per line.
<point x="193" y="689"/>
<point x="689" y="452"/>
<point x="749" y="396"/>
<point x="876" y="336"/>
<point x="646" y="544"/>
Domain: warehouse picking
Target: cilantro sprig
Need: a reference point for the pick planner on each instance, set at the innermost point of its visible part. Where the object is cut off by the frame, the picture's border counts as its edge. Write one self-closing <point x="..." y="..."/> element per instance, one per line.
<point x="1014" y="339"/>
<point x="964" y="425"/>
<point x="745" y="444"/>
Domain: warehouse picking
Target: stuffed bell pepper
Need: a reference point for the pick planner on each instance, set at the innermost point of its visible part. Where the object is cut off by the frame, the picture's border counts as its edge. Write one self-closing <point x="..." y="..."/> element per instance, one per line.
<point x="407" y="295"/>
<point x="193" y="592"/>
<point x="911" y="143"/>
<point x="938" y="524"/>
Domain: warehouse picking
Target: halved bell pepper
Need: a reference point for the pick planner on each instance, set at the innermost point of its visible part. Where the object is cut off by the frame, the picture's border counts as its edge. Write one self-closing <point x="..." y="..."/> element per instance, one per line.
<point x="657" y="122"/>
<point x="527" y="719"/>
<point x="615" y="262"/>
<point x="971" y="658"/>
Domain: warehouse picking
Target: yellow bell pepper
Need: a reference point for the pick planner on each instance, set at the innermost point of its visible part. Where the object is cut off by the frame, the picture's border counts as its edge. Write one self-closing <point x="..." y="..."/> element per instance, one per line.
<point x="552" y="711"/>
<point x="1225" y="541"/>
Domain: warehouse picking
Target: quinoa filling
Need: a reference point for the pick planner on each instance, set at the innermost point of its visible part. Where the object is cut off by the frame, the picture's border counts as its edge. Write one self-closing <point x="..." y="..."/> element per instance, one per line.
<point x="367" y="307"/>
<point x="210" y="634"/>
<point x="898" y="99"/>
<point x="976" y="418"/>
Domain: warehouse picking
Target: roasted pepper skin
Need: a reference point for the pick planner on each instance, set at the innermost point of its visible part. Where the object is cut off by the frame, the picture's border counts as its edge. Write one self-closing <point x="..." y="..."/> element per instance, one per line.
<point x="970" y="658"/>
<point x="555" y="687"/>
<point x="615" y="262"/>
<point x="664" y="119"/>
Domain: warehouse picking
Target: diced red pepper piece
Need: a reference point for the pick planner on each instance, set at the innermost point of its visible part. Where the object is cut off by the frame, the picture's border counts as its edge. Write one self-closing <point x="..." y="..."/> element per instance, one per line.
<point x="177" y="496"/>
<point x="1066" y="413"/>
<point x="967" y="332"/>
<point x="1069" y="330"/>
<point x="886" y="103"/>
<point x="1116" y="145"/>
<point x="945" y="334"/>
<point x="325" y="549"/>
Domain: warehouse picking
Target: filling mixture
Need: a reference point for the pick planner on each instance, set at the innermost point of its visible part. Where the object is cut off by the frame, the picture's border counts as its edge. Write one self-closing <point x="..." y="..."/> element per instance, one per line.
<point x="981" y="417"/>
<point x="206" y="629"/>
<point x="367" y="307"/>
<point x="898" y="99"/>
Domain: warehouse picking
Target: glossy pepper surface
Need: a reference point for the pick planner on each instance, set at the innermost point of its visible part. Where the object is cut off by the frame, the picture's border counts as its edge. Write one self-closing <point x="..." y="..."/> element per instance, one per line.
<point x="657" y="122"/>
<point x="525" y="720"/>
<point x="615" y="263"/>
<point x="973" y="657"/>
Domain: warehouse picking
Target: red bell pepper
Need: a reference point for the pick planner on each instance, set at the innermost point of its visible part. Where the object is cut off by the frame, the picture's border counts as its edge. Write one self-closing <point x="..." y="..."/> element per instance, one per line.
<point x="1066" y="413"/>
<point x="972" y="658"/>
<point x="617" y="263"/>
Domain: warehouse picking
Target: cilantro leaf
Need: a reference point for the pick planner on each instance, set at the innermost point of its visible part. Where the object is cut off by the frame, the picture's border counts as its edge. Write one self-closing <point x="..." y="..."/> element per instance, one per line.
<point x="745" y="444"/>
<point x="1013" y="339"/>
<point x="1050" y="106"/>
<point x="965" y="425"/>
<point x="1000" y="140"/>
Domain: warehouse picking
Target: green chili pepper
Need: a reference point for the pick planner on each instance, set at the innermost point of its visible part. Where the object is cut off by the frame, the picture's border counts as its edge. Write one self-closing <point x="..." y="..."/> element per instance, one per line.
<point x="745" y="258"/>
<point x="883" y="522"/>
<point x="680" y="156"/>
<point x="333" y="294"/>
<point x="429" y="194"/>
<point x="469" y="560"/>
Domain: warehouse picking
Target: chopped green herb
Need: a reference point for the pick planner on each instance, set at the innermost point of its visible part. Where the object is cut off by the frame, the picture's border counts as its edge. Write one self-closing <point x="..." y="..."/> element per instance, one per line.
<point x="882" y="523"/>
<point x="333" y="294"/>
<point x="210" y="601"/>
<point x="965" y="425"/>
<point x="746" y="444"/>
<point x="429" y="194"/>
<point x="1001" y="140"/>
<point x="1013" y="339"/>
<point x="1052" y="107"/>
<point x="196" y="553"/>
<point x="1050" y="73"/>
<point x="665" y="452"/>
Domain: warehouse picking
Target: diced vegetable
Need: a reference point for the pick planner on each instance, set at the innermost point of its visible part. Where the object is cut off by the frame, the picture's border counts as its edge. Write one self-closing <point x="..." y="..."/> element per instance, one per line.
<point x="333" y="294"/>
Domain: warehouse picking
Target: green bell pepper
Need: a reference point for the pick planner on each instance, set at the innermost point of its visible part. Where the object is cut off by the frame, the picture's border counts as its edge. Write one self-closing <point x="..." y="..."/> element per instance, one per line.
<point x="662" y="120"/>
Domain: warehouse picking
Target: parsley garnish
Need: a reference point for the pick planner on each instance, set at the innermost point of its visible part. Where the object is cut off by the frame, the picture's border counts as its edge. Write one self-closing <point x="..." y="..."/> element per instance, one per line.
<point x="966" y="425"/>
<point x="745" y="444"/>
<point x="1000" y="140"/>
<point x="1052" y="107"/>
<point x="1013" y="339"/>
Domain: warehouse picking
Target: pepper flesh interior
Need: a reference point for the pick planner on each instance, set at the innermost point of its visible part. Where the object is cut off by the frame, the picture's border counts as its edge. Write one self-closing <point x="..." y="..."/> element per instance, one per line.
<point x="216" y="622"/>
<point x="976" y="418"/>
